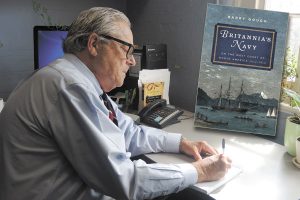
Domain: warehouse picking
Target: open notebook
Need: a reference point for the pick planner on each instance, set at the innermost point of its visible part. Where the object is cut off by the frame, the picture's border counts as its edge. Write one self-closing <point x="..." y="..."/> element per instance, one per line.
<point x="208" y="187"/>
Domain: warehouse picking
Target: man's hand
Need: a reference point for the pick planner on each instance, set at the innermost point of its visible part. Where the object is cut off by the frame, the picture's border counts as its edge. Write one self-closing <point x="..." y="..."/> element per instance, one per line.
<point x="212" y="168"/>
<point x="194" y="149"/>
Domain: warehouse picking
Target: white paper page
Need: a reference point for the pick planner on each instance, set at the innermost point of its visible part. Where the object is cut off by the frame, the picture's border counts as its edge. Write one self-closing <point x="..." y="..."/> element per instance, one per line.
<point x="209" y="187"/>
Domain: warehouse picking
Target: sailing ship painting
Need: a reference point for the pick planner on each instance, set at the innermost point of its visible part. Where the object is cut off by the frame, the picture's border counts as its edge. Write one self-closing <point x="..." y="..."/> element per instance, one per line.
<point x="239" y="111"/>
<point x="241" y="70"/>
<point x="227" y="102"/>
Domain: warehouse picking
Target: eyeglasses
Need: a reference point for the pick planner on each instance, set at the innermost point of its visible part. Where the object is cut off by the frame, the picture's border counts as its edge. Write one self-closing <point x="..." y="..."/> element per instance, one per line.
<point x="130" y="46"/>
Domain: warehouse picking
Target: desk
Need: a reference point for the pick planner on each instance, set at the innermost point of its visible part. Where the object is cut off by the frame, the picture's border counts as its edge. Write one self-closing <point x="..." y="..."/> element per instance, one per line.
<point x="268" y="171"/>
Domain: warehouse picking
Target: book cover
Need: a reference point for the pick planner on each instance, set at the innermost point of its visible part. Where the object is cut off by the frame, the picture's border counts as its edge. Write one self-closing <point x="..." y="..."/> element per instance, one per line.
<point x="241" y="69"/>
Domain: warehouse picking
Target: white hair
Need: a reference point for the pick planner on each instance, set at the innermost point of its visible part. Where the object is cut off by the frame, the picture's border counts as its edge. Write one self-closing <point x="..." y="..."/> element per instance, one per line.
<point x="100" y="20"/>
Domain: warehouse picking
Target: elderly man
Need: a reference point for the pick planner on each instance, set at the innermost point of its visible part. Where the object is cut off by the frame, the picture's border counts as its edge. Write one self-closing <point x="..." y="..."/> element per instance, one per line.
<point x="61" y="135"/>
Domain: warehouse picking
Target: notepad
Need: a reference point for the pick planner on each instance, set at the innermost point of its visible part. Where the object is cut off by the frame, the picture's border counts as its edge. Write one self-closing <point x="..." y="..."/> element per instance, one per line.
<point x="209" y="187"/>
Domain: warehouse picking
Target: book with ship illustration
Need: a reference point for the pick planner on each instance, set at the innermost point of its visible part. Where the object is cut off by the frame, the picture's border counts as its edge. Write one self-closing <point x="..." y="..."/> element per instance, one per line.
<point x="241" y="69"/>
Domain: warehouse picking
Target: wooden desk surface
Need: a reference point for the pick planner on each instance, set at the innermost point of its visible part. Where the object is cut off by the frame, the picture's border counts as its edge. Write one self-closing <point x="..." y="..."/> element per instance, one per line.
<point x="268" y="171"/>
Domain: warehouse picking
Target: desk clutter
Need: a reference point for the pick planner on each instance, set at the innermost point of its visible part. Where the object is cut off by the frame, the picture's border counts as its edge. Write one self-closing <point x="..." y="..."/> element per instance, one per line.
<point x="153" y="99"/>
<point x="151" y="62"/>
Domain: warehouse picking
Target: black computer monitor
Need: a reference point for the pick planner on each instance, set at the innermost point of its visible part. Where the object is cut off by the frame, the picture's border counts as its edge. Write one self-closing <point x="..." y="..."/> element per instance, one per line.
<point x="48" y="41"/>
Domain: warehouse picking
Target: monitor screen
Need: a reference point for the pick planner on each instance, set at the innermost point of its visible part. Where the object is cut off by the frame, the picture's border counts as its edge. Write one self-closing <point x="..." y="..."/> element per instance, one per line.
<point x="48" y="41"/>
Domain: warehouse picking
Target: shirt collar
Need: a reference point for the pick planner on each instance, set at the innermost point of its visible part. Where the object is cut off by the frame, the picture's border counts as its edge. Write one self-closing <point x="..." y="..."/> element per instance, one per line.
<point x="85" y="71"/>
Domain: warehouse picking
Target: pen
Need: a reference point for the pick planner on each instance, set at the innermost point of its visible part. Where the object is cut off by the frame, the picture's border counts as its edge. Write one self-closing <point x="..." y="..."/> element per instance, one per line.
<point x="223" y="145"/>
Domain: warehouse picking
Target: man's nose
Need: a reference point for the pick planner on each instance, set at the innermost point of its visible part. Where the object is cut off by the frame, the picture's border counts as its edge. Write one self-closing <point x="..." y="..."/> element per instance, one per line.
<point x="131" y="61"/>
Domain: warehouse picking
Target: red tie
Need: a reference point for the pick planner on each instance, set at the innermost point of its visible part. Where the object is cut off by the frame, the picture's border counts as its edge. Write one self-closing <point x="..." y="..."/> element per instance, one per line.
<point x="112" y="114"/>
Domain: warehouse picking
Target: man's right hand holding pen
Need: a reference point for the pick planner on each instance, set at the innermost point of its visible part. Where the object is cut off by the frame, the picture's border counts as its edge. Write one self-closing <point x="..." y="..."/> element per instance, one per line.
<point x="210" y="168"/>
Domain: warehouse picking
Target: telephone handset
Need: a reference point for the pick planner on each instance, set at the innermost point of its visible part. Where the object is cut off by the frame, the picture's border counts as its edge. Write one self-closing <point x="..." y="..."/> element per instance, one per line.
<point x="158" y="114"/>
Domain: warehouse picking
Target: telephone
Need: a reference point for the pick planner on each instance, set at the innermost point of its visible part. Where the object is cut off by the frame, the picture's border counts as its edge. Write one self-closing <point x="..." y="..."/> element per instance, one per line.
<point x="158" y="114"/>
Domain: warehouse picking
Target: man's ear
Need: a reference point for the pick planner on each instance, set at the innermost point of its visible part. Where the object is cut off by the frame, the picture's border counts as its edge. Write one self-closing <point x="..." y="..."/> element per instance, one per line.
<point x="92" y="44"/>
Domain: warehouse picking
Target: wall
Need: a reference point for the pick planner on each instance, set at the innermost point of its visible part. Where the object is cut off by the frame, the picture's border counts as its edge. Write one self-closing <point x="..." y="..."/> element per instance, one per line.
<point x="179" y="24"/>
<point x="17" y="19"/>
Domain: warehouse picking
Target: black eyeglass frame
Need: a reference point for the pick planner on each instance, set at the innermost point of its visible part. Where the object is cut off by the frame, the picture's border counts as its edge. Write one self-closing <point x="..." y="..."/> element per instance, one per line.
<point x="130" y="49"/>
